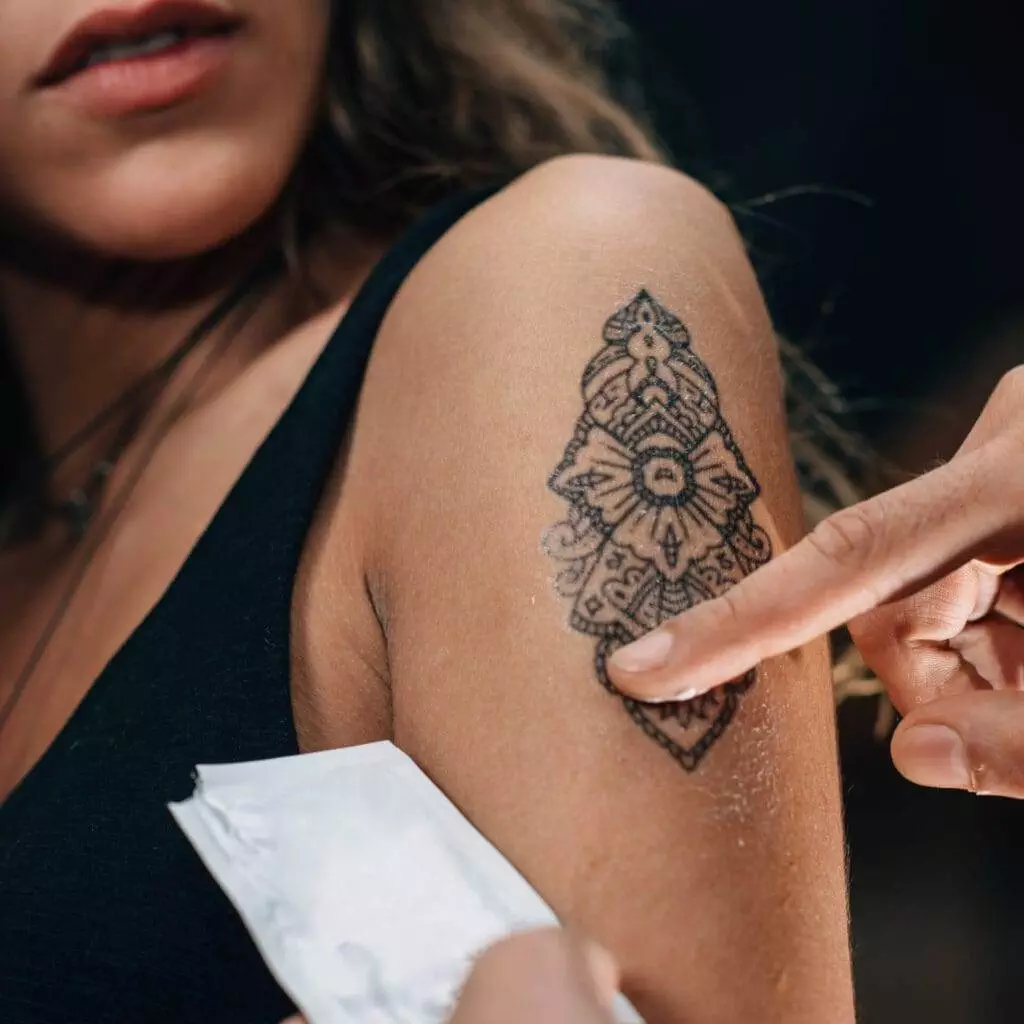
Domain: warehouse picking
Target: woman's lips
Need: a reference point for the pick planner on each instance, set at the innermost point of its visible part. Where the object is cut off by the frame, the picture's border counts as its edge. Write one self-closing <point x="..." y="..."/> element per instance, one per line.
<point x="148" y="82"/>
<point x="147" y="56"/>
<point x="113" y="26"/>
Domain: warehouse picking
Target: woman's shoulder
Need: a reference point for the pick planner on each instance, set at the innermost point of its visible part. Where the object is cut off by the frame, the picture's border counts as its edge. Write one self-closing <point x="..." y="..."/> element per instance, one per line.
<point x="538" y="292"/>
<point x="584" y="281"/>
<point x="601" y="191"/>
<point x="572" y="229"/>
<point x="586" y="200"/>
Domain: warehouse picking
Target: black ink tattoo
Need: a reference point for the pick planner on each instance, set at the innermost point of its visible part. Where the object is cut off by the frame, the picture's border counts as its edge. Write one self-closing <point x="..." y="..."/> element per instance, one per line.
<point x="659" y="509"/>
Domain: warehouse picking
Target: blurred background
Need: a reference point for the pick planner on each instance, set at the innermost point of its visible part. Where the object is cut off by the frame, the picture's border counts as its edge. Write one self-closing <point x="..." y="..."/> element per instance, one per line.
<point x="874" y="156"/>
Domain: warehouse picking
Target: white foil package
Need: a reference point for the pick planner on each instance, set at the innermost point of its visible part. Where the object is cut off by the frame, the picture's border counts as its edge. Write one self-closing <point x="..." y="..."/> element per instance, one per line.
<point x="367" y="892"/>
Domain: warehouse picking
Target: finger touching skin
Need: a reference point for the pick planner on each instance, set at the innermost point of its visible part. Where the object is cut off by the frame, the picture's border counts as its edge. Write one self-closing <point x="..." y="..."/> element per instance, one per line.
<point x="856" y="559"/>
<point x="540" y="977"/>
<point x="544" y="977"/>
<point x="972" y="741"/>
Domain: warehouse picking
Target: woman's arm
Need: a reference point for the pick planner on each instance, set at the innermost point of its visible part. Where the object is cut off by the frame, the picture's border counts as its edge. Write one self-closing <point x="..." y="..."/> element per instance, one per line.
<point x="574" y="427"/>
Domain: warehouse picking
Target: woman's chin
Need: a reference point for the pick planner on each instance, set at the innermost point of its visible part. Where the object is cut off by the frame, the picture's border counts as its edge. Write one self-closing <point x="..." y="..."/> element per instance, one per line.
<point x="167" y="231"/>
<point x="159" y="210"/>
<point x="136" y="244"/>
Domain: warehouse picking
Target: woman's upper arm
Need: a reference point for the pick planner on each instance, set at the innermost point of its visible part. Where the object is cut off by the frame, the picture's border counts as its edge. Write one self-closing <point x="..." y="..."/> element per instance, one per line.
<point x="573" y="426"/>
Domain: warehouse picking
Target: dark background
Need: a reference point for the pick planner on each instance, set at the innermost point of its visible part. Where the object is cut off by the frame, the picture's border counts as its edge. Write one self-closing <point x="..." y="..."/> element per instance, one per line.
<point x="900" y="274"/>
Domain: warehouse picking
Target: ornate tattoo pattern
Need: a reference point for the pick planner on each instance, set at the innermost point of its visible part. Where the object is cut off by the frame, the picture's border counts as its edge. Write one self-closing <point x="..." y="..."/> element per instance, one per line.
<point x="659" y="512"/>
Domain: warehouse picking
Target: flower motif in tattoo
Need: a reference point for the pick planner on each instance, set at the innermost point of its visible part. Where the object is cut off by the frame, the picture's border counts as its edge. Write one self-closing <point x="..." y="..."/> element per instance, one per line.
<point x="665" y="500"/>
<point x="659" y="507"/>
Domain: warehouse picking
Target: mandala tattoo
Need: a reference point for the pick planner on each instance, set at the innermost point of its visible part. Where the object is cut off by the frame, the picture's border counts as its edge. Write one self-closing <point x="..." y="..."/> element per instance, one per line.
<point x="659" y="514"/>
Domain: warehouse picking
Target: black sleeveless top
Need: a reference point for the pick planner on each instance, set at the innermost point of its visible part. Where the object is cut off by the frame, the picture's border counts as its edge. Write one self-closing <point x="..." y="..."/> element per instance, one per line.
<point x="106" y="914"/>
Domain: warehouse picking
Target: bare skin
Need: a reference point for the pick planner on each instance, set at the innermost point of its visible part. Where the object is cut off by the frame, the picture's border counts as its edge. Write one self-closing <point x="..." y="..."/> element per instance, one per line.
<point x="426" y="609"/>
<point x="492" y="691"/>
<point x="545" y="977"/>
<point x="928" y="576"/>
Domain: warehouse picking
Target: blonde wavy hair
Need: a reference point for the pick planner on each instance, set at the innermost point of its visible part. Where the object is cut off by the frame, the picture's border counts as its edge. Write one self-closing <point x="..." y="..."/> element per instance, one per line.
<point x="427" y="97"/>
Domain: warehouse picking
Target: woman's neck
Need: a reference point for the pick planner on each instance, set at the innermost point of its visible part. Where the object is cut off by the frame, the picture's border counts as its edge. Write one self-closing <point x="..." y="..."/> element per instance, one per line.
<point x="78" y="346"/>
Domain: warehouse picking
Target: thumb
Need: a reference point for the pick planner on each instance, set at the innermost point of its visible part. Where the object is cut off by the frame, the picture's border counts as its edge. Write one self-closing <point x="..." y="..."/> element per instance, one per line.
<point x="972" y="741"/>
<point x="541" y="977"/>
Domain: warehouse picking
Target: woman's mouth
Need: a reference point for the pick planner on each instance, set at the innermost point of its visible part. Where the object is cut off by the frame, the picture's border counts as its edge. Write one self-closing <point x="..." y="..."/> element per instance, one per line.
<point x="157" y="42"/>
<point x="122" y="61"/>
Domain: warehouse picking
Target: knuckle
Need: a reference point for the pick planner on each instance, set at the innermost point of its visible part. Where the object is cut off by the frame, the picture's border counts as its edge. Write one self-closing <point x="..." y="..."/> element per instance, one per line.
<point x="1011" y="384"/>
<point x="1000" y="477"/>
<point x="740" y="622"/>
<point x="1006" y="406"/>
<point x="848" y="539"/>
<point x="726" y="616"/>
<point x="729" y="609"/>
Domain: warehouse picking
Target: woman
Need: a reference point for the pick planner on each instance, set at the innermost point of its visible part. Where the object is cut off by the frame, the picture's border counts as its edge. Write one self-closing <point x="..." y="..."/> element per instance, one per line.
<point x="232" y="544"/>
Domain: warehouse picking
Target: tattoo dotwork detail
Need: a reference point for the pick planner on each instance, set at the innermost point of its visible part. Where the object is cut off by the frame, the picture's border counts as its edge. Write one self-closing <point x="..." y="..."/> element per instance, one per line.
<point x="659" y="512"/>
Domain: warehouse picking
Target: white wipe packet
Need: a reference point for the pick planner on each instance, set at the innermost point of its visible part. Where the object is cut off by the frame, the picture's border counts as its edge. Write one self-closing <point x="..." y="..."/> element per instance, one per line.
<point x="367" y="892"/>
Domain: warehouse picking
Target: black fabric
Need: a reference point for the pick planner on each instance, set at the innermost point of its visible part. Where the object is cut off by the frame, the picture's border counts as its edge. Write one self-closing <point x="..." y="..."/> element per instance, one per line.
<point x="106" y="914"/>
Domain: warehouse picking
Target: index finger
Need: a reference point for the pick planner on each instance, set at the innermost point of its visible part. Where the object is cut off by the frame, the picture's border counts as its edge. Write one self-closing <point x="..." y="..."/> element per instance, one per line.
<point x="853" y="561"/>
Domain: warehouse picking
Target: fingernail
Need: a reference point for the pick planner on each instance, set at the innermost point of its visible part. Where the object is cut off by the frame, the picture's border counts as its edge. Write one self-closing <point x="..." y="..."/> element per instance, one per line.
<point x="650" y="651"/>
<point x="679" y="698"/>
<point x="933" y="755"/>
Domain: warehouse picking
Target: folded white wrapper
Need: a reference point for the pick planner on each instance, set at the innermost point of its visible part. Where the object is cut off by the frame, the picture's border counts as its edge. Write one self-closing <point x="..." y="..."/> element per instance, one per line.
<point x="365" y="889"/>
